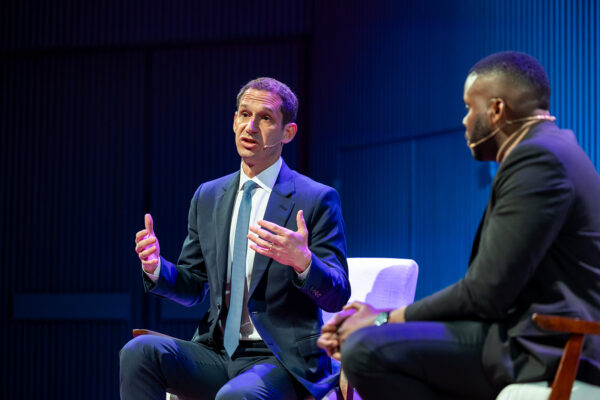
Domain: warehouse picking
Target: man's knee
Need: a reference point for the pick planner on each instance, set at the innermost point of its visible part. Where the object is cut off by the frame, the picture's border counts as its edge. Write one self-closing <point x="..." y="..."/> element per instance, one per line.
<point x="229" y="392"/>
<point x="357" y="356"/>
<point x="138" y="353"/>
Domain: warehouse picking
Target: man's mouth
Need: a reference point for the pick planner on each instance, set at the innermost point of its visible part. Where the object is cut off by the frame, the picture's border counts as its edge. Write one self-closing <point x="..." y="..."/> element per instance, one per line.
<point x="248" y="141"/>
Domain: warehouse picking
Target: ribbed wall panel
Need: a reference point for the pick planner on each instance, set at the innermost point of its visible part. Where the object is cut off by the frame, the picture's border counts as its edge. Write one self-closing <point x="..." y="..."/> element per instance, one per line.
<point x="564" y="35"/>
<point x="376" y="210"/>
<point x="450" y="193"/>
<point x="58" y="360"/>
<point x="73" y="125"/>
<point x="399" y="72"/>
<point x="38" y="24"/>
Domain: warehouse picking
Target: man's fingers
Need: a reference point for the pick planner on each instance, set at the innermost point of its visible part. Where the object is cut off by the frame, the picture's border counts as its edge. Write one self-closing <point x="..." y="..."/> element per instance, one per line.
<point x="149" y="223"/>
<point x="301" y="224"/>
<point x="356" y="305"/>
<point x="329" y="327"/>
<point x="272" y="227"/>
<point x="259" y="241"/>
<point x="265" y="235"/>
<point x="337" y="355"/>
<point x="142" y="244"/>
<point x="141" y="235"/>
<point x="144" y="254"/>
<point x="151" y="262"/>
<point x="343" y="315"/>
<point x="260" y="250"/>
<point x="325" y="343"/>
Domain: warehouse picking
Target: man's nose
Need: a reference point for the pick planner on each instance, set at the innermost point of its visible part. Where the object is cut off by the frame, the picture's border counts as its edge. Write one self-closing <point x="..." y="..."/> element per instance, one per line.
<point x="464" y="121"/>
<point x="251" y="126"/>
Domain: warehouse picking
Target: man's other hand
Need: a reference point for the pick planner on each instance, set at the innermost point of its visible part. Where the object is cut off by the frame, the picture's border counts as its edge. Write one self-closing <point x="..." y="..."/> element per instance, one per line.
<point x="281" y="244"/>
<point x="146" y="246"/>
<point x="329" y="339"/>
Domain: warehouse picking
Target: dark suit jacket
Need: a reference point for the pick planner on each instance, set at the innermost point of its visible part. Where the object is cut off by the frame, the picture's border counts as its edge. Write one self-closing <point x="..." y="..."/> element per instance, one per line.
<point x="537" y="249"/>
<point x="285" y="312"/>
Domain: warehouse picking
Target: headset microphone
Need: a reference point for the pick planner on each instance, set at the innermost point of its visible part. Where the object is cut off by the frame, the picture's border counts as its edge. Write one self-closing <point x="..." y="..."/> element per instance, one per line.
<point x="272" y="145"/>
<point x="533" y="118"/>
<point x="484" y="139"/>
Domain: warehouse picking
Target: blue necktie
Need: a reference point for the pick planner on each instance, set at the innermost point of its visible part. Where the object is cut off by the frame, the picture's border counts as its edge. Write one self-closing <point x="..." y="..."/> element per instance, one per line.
<point x="238" y="272"/>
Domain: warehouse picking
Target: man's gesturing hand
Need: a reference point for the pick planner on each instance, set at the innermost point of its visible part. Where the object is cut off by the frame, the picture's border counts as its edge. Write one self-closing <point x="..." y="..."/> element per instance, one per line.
<point x="146" y="246"/>
<point x="281" y="244"/>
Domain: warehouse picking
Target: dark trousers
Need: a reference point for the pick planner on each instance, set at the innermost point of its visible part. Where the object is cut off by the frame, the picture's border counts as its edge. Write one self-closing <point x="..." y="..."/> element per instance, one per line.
<point x="418" y="360"/>
<point x="151" y="365"/>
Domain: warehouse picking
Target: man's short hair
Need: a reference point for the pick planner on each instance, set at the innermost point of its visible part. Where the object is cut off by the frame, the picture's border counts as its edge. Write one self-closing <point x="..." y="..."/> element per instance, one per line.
<point x="289" y="101"/>
<point x="520" y="68"/>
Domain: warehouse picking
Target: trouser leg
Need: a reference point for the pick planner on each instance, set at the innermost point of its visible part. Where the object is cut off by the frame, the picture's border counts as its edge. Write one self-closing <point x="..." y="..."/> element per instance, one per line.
<point x="151" y="365"/>
<point x="259" y="375"/>
<point x="418" y="360"/>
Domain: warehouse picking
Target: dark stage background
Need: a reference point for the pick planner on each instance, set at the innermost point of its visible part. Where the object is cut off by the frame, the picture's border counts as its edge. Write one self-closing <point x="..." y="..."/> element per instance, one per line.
<point x="112" y="109"/>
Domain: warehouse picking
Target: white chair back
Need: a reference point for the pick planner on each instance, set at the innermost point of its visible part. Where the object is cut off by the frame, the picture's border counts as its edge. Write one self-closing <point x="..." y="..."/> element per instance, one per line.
<point x="381" y="282"/>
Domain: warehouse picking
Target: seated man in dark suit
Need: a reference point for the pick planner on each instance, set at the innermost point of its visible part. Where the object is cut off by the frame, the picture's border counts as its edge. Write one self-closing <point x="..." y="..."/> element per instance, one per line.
<point x="258" y="338"/>
<point x="537" y="250"/>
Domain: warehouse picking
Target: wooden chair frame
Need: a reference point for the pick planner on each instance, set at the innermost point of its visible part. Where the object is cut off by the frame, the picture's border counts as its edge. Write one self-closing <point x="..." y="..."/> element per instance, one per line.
<point x="569" y="362"/>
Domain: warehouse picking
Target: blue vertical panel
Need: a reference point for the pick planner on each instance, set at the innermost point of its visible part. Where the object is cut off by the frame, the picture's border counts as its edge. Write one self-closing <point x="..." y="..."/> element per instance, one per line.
<point x="376" y="199"/>
<point x="450" y="194"/>
<point x="71" y="127"/>
<point x="387" y="71"/>
<point x="563" y="35"/>
<point x="399" y="73"/>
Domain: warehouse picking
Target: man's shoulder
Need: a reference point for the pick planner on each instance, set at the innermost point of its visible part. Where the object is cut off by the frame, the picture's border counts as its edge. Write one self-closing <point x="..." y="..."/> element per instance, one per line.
<point x="305" y="184"/>
<point x="215" y="186"/>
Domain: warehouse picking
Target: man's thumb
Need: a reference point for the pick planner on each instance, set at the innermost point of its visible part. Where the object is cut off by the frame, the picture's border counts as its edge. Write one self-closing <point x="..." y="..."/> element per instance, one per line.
<point x="149" y="223"/>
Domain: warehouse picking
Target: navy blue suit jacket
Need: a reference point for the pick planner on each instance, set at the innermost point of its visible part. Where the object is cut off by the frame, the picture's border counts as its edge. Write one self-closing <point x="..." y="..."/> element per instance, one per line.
<point x="537" y="250"/>
<point x="285" y="312"/>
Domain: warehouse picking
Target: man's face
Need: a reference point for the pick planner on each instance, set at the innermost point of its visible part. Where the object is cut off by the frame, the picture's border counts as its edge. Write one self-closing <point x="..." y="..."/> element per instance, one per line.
<point x="259" y="129"/>
<point x="477" y="100"/>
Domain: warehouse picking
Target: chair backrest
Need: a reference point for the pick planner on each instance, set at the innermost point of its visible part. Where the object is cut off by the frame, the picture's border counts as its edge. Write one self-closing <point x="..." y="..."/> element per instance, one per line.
<point x="382" y="282"/>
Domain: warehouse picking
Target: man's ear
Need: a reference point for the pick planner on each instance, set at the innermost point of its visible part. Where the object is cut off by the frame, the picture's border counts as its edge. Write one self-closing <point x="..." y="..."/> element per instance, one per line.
<point x="497" y="110"/>
<point x="289" y="131"/>
<point x="234" y="119"/>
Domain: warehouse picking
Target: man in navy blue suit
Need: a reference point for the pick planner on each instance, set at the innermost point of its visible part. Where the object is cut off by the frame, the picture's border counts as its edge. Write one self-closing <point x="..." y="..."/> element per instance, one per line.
<point x="290" y="252"/>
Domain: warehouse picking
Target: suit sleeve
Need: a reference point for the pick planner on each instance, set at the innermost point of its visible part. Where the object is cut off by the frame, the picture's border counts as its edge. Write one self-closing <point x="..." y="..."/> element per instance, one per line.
<point x="186" y="282"/>
<point x="530" y="201"/>
<point x="327" y="282"/>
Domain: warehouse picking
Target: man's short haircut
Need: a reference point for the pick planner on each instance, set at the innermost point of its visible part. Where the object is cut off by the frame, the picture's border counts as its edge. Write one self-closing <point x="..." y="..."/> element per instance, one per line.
<point x="520" y="68"/>
<point x="289" y="101"/>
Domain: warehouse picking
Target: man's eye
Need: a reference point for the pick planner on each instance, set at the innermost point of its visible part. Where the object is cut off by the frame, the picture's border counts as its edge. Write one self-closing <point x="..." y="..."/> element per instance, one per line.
<point x="267" y="118"/>
<point x="245" y="114"/>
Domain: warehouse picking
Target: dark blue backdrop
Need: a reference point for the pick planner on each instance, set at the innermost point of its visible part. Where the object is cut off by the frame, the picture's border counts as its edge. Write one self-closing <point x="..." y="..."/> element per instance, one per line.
<point x="112" y="109"/>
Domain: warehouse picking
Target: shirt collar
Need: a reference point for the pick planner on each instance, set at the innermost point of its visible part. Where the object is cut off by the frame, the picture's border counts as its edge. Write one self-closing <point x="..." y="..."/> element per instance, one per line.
<point x="266" y="179"/>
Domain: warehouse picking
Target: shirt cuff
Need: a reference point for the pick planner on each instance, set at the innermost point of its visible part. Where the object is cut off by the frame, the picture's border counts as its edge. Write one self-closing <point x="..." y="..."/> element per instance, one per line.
<point x="304" y="274"/>
<point x="156" y="274"/>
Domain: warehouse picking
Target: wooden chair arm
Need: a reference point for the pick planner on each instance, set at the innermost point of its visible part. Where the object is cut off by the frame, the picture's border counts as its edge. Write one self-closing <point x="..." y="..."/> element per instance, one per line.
<point x="569" y="362"/>
<point x="139" y="332"/>
<point x="569" y="325"/>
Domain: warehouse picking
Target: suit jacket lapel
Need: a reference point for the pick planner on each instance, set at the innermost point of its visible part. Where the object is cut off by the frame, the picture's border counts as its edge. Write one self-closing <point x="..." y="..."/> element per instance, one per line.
<point x="222" y="222"/>
<point x="278" y="211"/>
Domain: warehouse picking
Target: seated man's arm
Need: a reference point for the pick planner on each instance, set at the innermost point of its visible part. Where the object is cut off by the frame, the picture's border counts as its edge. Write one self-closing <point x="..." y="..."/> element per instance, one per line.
<point x="184" y="282"/>
<point x="319" y="243"/>
<point x="532" y="199"/>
